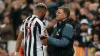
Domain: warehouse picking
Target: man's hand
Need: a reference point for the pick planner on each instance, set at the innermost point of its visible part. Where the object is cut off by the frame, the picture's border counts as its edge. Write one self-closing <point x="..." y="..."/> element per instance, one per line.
<point x="44" y="39"/>
<point x="45" y="35"/>
<point x="16" y="54"/>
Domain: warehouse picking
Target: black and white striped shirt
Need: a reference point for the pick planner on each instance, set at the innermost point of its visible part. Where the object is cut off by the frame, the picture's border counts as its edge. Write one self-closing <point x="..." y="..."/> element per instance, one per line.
<point x="33" y="29"/>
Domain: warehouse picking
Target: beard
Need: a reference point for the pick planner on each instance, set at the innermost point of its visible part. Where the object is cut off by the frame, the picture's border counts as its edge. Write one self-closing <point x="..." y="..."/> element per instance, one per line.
<point x="42" y="17"/>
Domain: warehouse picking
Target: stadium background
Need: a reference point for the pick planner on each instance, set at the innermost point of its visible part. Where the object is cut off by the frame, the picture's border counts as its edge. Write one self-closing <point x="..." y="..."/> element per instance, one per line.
<point x="85" y="16"/>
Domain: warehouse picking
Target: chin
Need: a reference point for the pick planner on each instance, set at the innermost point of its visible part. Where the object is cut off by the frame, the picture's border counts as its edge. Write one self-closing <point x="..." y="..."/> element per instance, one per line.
<point x="57" y="19"/>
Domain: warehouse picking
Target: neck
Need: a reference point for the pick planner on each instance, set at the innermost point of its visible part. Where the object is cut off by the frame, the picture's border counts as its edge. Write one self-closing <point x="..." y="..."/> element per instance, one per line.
<point x="60" y="20"/>
<point x="37" y="14"/>
<point x="64" y="19"/>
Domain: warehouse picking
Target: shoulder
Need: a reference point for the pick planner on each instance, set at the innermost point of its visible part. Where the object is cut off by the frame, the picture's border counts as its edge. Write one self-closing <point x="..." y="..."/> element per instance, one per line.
<point x="38" y="21"/>
<point x="68" y="26"/>
<point x="68" y="30"/>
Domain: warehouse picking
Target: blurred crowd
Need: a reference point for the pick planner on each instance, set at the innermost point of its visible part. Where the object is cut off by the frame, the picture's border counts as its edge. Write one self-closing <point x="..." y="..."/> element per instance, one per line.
<point x="84" y="16"/>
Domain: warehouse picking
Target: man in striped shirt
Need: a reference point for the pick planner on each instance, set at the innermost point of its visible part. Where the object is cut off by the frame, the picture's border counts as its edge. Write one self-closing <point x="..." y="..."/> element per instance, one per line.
<point x="33" y="31"/>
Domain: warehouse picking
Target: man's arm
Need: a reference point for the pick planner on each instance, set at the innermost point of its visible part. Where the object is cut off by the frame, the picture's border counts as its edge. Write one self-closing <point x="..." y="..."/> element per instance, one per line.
<point x="67" y="34"/>
<point x="20" y="37"/>
<point x="19" y="40"/>
<point x="58" y="42"/>
<point x="51" y="23"/>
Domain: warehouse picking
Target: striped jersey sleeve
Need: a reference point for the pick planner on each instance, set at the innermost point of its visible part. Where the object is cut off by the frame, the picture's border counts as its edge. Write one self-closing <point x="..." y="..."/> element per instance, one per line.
<point x="22" y="28"/>
<point x="22" y="25"/>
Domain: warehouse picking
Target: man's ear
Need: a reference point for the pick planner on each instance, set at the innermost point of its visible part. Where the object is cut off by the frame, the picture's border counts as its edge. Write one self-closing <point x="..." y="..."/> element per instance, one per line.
<point x="65" y="15"/>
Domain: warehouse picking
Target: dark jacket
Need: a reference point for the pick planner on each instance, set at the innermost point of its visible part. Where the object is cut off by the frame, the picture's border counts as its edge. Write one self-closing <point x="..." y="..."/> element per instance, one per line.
<point x="60" y="43"/>
<point x="7" y="33"/>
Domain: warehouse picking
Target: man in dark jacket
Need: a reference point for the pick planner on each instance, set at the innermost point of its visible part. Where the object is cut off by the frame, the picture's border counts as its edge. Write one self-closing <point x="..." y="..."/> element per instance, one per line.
<point x="60" y="43"/>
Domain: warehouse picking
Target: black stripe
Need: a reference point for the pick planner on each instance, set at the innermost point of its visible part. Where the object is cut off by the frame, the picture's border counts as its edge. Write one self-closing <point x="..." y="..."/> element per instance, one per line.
<point x="29" y="17"/>
<point x="35" y="44"/>
<point x="30" y="39"/>
<point x="39" y="27"/>
<point x="25" y="38"/>
<point x="26" y="35"/>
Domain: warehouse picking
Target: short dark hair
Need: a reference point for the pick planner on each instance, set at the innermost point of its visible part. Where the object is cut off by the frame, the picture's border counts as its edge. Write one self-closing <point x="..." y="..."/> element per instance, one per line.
<point x="40" y="6"/>
<point x="66" y="10"/>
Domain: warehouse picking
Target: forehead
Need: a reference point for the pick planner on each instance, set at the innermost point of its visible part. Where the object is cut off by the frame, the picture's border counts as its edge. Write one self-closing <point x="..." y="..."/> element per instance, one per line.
<point x="60" y="10"/>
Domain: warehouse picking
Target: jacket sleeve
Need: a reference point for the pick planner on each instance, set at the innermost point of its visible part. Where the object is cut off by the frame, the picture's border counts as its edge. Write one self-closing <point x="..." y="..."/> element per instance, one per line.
<point x="67" y="34"/>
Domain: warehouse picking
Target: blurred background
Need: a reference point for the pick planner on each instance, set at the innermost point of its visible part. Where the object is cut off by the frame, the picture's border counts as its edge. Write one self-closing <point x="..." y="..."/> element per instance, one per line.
<point x="85" y="16"/>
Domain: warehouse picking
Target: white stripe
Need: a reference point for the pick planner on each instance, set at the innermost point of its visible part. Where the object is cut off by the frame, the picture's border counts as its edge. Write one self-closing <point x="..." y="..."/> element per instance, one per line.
<point x="39" y="42"/>
<point x="29" y="22"/>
